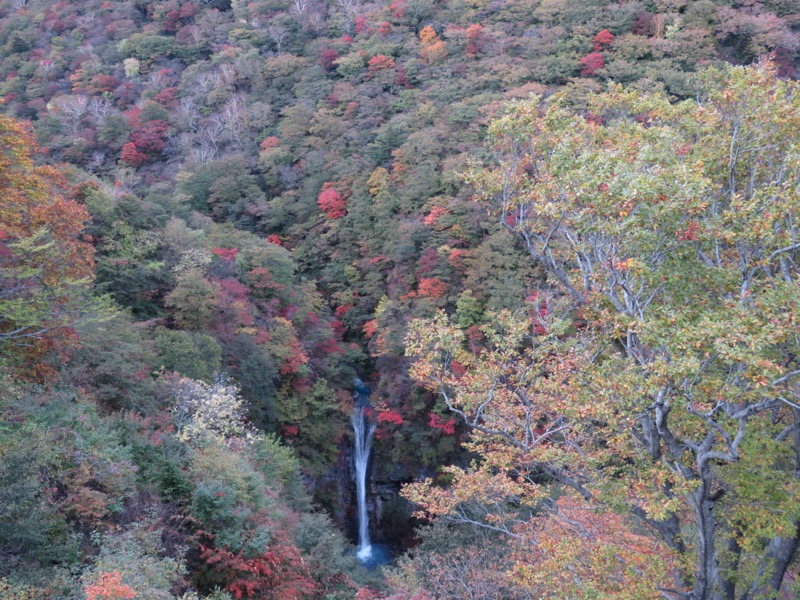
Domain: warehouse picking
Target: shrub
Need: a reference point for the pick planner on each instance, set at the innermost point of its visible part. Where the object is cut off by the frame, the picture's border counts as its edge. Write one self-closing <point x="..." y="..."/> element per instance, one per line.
<point x="204" y="412"/>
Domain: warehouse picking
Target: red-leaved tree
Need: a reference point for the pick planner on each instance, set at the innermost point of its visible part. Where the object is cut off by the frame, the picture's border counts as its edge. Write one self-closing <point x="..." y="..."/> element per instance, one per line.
<point x="131" y="156"/>
<point x="331" y="202"/>
<point x="602" y="40"/>
<point x="591" y="63"/>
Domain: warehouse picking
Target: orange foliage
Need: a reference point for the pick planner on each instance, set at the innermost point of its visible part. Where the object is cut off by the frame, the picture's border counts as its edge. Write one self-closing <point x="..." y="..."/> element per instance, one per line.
<point x="456" y="259"/>
<point x="576" y="550"/>
<point x="428" y="35"/>
<point x="432" y="218"/>
<point x="109" y="587"/>
<point x="473" y="34"/>
<point x="296" y="358"/>
<point x="474" y="31"/>
<point x="42" y="253"/>
<point x="379" y="61"/>
<point x="690" y="234"/>
<point x="131" y="156"/>
<point x="270" y="142"/>
<point x="433" y="48"/>
<point x="370" y="328"/>
<point x="433" y="287"/>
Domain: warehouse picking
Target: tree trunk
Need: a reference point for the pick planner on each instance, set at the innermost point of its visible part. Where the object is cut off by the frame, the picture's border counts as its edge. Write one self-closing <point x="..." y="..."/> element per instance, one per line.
<point x="729" y="581"/>
<point x="707" y="581"/>
<point x="778" y="556"/>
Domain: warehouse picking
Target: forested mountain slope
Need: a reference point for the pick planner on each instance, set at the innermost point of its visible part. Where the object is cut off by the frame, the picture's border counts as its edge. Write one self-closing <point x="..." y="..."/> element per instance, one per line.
<point x="275" y="191"/>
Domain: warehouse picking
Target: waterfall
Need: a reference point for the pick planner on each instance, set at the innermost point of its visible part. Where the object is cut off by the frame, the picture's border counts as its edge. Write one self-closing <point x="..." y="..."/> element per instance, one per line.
<point x="363" y="431"/>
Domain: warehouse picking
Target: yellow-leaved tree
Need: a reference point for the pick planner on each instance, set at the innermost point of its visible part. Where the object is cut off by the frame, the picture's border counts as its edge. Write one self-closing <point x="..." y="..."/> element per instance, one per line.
<point x="637" y="432"/>
<point x="46" y="265"/>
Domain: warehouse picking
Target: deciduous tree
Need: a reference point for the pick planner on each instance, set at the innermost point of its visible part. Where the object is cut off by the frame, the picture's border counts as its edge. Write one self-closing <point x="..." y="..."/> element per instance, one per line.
<point x="46" y="265"/>
<point x="670" y="229"/>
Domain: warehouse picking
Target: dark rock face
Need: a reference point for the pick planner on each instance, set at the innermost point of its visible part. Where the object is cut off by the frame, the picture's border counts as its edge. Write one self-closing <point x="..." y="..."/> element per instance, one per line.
<point x="390" y="520"/>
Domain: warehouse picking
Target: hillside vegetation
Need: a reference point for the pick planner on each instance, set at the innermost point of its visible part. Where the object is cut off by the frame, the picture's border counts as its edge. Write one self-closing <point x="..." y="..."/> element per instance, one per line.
<point x="558" y="238"/>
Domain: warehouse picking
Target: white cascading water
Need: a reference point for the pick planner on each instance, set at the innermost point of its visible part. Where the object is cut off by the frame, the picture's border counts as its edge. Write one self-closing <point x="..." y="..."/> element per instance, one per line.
<point x="364" y="431"/>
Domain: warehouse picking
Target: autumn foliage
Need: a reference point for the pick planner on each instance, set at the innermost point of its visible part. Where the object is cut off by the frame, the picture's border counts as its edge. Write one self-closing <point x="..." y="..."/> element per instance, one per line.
<point x="278" y="573"/>
<point x="380" y="62"/>
<point x="281" y="192"/>
<point x="432" y="287"/>
<point x="149" y="138"/>
<point x="602" y="40"/>
<point x="45" y="262"/>
<point x="390" y="416"/>
<point x="474" y="36"/>
<point x="583" y="552"/>
<point x="591" y="63"/>
<point x="433" y="48"/>
<point x="132" y="156"/>
<point x="622" y="450"/>
<point x="109" y="587"/>
<point x="331" y="202"/>
<point x="447" y="427"/>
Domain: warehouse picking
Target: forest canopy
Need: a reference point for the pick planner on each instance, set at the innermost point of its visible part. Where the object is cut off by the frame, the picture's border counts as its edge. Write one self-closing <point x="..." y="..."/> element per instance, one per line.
<point x="557" y="240"/>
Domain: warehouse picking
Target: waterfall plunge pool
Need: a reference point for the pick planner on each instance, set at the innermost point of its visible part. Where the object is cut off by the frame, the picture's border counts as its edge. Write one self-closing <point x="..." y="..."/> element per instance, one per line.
<point x="375" y="555"/>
